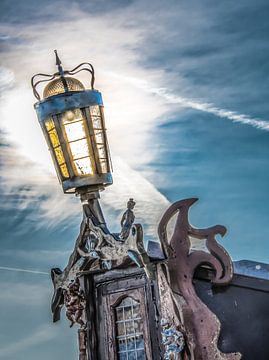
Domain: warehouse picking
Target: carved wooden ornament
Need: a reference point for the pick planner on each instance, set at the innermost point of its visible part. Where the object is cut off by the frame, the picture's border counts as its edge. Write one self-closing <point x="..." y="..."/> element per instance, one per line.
<point x="180" y="304"/>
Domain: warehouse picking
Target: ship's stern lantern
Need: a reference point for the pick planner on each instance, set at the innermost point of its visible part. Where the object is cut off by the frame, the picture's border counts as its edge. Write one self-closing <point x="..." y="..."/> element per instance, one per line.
<point x="72" y="120"/>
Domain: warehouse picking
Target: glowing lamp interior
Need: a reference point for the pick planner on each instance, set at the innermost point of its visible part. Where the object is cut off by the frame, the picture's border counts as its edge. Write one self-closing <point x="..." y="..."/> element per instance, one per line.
<point x="82" y="134"/>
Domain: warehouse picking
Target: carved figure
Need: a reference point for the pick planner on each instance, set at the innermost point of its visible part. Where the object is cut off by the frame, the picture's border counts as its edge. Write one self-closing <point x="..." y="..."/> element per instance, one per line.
<point x="127" y="220"/>
<point x="75" y="304"/>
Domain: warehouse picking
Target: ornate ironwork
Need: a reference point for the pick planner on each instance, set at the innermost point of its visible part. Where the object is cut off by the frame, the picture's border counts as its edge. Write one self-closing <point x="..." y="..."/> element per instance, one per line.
<point x="95" y="249"/>
<point x="180" y="304"/>
<point x="61" y="74"/>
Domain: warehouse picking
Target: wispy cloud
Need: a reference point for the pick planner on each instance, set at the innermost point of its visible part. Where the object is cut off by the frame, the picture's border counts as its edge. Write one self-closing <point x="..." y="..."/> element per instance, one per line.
<point x="150" y="203"/>
<point x="131" y="114"/>
<point x="36" y="186"/>
<point x="7" y="79"/>
<point x="210" y="108"/>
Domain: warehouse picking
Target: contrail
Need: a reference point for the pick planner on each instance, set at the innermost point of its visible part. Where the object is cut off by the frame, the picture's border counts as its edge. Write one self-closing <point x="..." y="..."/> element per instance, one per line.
<point x="23" y="270"/>
<point x="193" y="104"/>
<point x="210" y="108"/>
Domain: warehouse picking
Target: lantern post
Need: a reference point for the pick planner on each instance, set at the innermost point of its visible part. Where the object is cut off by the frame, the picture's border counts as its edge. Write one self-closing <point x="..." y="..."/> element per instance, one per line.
<point x="72" y="121"/>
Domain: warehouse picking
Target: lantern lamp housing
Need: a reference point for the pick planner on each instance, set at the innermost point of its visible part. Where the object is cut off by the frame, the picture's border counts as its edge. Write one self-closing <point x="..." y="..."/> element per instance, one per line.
<point x="72" y="120"/>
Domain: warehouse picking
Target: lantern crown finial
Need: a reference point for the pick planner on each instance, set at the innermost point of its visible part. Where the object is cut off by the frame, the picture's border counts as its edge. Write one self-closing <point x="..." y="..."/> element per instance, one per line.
<point x="59" y="63"/>
<point x="67" y="83"/>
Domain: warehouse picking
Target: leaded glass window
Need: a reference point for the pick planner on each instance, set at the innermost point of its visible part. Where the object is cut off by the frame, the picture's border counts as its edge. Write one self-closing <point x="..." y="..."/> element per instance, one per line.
<point x="75" y="130"/>
<point x="55" y="143"/>
<point x="129" y="330"/>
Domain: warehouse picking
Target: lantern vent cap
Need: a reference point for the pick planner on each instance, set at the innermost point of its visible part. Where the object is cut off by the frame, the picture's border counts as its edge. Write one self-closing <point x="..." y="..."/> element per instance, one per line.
<point x="56" y="86"/>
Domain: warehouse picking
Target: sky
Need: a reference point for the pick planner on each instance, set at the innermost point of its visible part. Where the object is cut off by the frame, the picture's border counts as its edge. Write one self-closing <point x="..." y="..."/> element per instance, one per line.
<point x="185" y="87"/>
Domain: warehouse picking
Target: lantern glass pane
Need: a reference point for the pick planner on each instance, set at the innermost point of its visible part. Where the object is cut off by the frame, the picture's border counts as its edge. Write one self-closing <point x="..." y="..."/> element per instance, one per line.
<point x="72" y="116"/>
<point x="95" y="110"/>
<point x="54" y="138"/>
<point x="64" y="170"/>
<point x="96" y="121"/>
<point x="49" y="124"/>
<point x="101" y="151"/>
<point x="83" y="166"/>
<point x="74" y="125"/>
<point x="75" y="131"/>
<point x="96" y="117"/>
<point x="103" y="164"/>
<point x="55" y="143"/>
<point x="59" y="155"/>
<point x="99" y="138"/>
<point x="129" y="330"/>
<point x="79" y="149"/>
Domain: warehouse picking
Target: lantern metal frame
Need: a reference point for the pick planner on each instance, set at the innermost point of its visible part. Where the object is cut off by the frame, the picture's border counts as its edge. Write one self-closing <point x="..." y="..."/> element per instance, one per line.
<point x="85" y="66"/>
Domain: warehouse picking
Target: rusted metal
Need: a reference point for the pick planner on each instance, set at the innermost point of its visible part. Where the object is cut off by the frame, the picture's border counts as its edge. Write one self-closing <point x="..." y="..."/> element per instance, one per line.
<point x="180" y="304"/>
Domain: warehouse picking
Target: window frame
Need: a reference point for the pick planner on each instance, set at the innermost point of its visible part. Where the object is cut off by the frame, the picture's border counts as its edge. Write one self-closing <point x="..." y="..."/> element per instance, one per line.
<point x="112" y="301"/>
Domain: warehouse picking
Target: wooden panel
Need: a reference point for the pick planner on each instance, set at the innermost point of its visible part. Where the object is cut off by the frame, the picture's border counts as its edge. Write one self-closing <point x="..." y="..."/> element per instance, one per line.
<point x="108" y="295"/>
<point x="112" y="301"/>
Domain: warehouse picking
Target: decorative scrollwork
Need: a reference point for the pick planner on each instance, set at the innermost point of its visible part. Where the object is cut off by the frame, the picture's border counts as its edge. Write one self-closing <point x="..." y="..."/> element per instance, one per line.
<point x="199" y="324"/>
<point x="97" y="248"/>
<point x="61" y="74"/>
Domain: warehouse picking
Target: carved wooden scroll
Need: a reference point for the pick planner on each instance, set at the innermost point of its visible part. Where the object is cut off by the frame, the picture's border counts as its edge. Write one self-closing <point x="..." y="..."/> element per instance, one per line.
<point x="180" y="305"/>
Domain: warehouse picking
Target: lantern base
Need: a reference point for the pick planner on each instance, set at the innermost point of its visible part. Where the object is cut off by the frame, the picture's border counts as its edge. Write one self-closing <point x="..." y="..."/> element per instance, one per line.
<point x="91" y="183"/>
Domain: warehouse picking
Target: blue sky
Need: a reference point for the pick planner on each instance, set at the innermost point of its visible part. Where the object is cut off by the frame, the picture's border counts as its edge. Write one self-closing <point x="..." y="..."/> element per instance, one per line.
<point x="185" y="87"/>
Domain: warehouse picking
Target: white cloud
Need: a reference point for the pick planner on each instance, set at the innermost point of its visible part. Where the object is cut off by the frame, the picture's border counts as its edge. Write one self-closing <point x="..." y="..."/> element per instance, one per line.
<point x="36" y="188"/>
<point x="131" y="106"/>
<point x="7" y="79"/>
<point x="150" y="203"/>
<point x="171" y="98"/>
<point x="211" y="109"/>
<point x="130" y="116"/>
